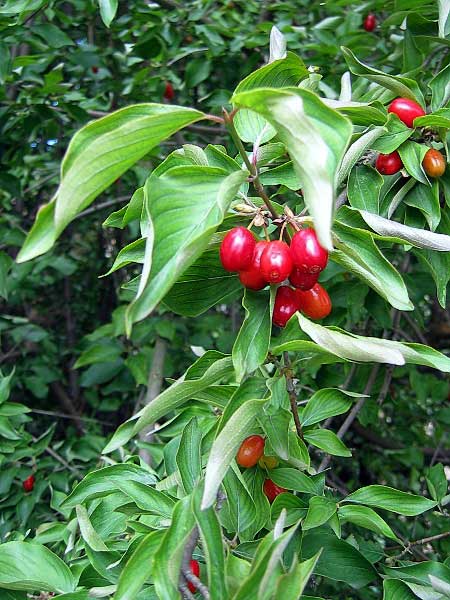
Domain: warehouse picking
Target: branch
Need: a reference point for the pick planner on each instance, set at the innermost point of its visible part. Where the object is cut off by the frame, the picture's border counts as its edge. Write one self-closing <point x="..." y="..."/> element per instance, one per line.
<point x="287" y="371"/>
<point x="101" y="206"/>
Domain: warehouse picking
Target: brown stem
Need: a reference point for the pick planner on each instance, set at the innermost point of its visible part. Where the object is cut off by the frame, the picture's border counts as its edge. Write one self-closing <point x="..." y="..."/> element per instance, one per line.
<point x="287" y="371"/>
<point x="423" y="541"/>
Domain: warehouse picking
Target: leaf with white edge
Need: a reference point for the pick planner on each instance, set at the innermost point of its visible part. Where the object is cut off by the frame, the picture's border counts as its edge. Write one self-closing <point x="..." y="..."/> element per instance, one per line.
<point x="356" y="150"/>
<point x="239" y="512"/>
<point x="440" y="87"/>
<point x="419" y="573"/>
<point x="225" y="446"/>
<point x="277" y="45"/>
<point x="327" y="402"/>
<point x="30" y="567"/>
<point x="170" y="399"/>
<point x="41" y="236"/>
<point x="364" y="186"/>
<point x="388" y="498"/>
<point x="427" y="200"/>
<point x="182" y="225"/>
<point x="102" y="482"/>
<point x="327" y="441"/>
<point x="88" y="533"/>
<point x="444" y="13"/>
<point x="281" y="73"/>
<point x="188" y="457"/>
<point x="401" y="86"/>
<point x="420" y="238"/>
<point x="400" y="195"/>
<point x="316" y="138"/>
<point x="363" y="516"/>
<point x="345" y="94"/>
<point x="108" y="9"/>
<point x="440" y="585"/>
<point x="359" y="348"/>
<point x="307" y="350"/>
<point x="357" y="252"/>
<point x="291" y="585"/>
<point x="320" y="510"/>
<point x="412" y="155"/>
<point x="296" y="481"/>
<point x="396" y="590"/>
<point x="252" y="342"/>
<point x="147" y="498"/>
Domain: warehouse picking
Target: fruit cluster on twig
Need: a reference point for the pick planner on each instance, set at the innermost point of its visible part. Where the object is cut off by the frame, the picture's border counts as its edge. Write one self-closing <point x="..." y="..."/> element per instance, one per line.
<point x="264" y="262"/>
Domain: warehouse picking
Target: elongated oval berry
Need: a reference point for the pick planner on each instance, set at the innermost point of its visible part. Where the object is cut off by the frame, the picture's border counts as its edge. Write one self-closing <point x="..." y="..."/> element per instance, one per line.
<point x="370" y="22"/>
<point x="302" y="281"/>
<point x="28" y="483"/>
<point x="252" y="277"/>
<point x="250" y="451"/>
<point x="195" y="570"/>
<point x="272" y="490"/>
<point x="434" y="163"/>
<point x="276" y="262"/>
<point x="315" y="303"/>
<point x="388" y="164"/>
<point x="307" y="254"/>
<point x="406" y="110"/>
<point x="236" y="249"/>
<point x="286" y="304"/>
<point x="169" y="92"/>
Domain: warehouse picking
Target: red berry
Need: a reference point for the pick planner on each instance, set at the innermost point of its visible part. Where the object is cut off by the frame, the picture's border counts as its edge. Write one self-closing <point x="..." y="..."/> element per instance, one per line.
<point x="252" y="278"/>
<point x="406" y="110"/>
<point x="236" y="249"/>
<point x="286" y="304"/>
<point x="388" y="164"/>
<point x="272" y="490"/>
<point x="434" y="163"/>
<point x="276" y="262"/>
<point x="250" y="451"/>
<point x="195" y="570"/>
<point x="169" y="92"/>
<point x="307" y="254"/>
<point x="315" y="303"/>
<point x="303" y="281"/>
<point x="370" y="22"/>
<point x="94" y="69"/>
<point x="28" y="483"/>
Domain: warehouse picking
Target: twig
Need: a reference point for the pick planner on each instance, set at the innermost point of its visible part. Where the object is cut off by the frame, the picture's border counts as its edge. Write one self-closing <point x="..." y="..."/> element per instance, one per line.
<point x="341" y="200"/>
<point x="101" y="206"/>
<point x="422" y="339"/>
<point x="60" y="415"/>
<point x="422" y="541"/>
<point x="287" y="371"/>
<point x="60" y="459"/>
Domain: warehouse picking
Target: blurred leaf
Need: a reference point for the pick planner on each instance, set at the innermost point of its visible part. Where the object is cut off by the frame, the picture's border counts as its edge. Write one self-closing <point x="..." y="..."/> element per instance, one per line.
<point x="108" y="9"/>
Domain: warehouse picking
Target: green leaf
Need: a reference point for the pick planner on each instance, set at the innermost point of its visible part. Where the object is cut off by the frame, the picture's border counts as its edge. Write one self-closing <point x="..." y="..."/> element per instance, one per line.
<point x="388" y="498"/>
<point x="396" y="133"/>
<point x="437" y="482"/>
<point x="363" y="516"/>
<point x="180" y="227"/>
<point x="252" y="342"/>
<point x="213" y="547"/>
<point x="439" y="119"/>
<point x="444" y="13"/>
<point x="426" y="199"/>
<point x="133" y="576"/>
<point x="327" y="441"/>
<point x="440" y="87"/>
<point x="30" y="567"/>
<point x="104" y="481"/>
<point x="401" y="86"/>
<point x="294" y="507"/>
<point x="281" y="175"/>
<point x="357" y="150"/>
<point x="132" y="253"/>
<point x="327" y="402"/>
<point x="281" y="73"/>
<point x="188" y="457"/>
<point x="412" y="155"/>
<point x="168" y="556"/>
<point x="320" y="510"/>
<point x="5" y="62"/>
<point x="292" y="479"/>
<point x="419" y="573"/>
<point x="88" y="533"/>
<point x="291" y="585"/>
<point x="239" y="511"/>
<point x="147" y="498"/>
<point x="396" y="590"/>
<point x="364" y="186"/>
<point x="52" y="35"/>
<point x="108" y="9"/>
<point x="357" y="252"/>
<point x="105" y="351"/>
<point x="41" y="236"/>
<point x="316" y="138"/>
<point x="176" y="395"/>
<point x="225" y="446"/>
<point x="339" y="560"/>
<point x="203" y="284"/>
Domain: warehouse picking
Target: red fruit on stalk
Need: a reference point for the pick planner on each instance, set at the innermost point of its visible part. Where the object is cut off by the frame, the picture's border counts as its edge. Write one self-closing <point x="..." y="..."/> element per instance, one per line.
<point x="315" y="303"/>
<point x="251" y="278"/>
<point x="28" y="483"/>
<point x="307" y="254"/>
<point x="434" y="163"/>
<point x="169" y="92"/>
<point x="272" y="490"/>
<point x="250" y="451"/>
<point x="276" y="262"/>
<point x="286" y="304"/>
<point x="195" y="570"/>
<point x="236" y="249"/>
<point x="303" y="281"/>
<point x="406" y="110"/>
<point x="388" y="164"/>
<point x="370" y="22"/>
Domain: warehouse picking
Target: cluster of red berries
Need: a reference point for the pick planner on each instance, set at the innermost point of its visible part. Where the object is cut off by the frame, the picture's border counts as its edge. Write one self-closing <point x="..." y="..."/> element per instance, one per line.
<point x="260" y="263"/>
<point x="387" y="164"/>
<point x="251" y="452"/>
